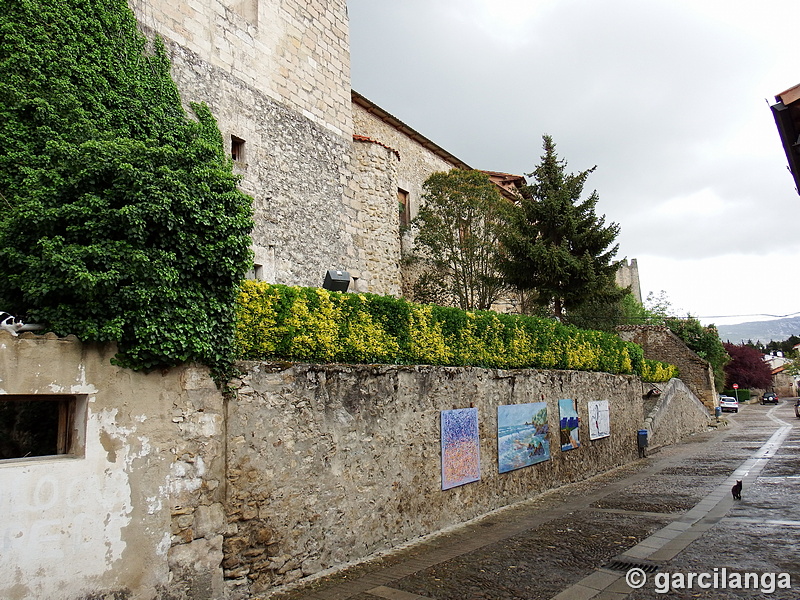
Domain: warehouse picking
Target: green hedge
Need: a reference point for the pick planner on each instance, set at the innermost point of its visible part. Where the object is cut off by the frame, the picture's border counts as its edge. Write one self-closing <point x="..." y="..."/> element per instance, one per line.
<point x="314" y="325"/>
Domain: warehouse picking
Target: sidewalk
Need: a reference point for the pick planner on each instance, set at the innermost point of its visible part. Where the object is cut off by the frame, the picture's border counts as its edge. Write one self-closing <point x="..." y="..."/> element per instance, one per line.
<point x="579" y="541"/>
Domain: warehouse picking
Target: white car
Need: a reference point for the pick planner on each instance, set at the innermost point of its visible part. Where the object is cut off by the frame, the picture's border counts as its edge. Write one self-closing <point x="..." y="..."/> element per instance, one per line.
<point x="728" y="403"/>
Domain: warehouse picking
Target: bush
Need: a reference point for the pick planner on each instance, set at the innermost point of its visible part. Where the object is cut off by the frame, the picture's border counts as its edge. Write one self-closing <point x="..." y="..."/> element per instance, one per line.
<point x="315" y="325"/>
<point x="121" y="216"/>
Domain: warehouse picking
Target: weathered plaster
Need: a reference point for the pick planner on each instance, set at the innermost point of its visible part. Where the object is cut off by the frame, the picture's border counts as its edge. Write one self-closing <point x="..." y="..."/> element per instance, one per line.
<point x="103" y="521"/>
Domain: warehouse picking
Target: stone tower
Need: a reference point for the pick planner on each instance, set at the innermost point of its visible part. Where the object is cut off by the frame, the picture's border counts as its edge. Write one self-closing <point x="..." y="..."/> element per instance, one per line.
<point x="276" y="75"/>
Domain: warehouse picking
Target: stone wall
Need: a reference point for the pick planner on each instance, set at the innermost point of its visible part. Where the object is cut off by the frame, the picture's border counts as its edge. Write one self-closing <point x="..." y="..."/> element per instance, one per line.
<point x="659" y="343"/>
<point x="628" y="275"/>
<point x="419" y="158"/>
<point x="329" y="464"/>
<point x="174" y="493"/>
<point x="136" y="509"/>
<point x="276" y="75"/>
<point x="376" y="226"/>
<point x="295" y="170"/>
<point x="677" y="414"/>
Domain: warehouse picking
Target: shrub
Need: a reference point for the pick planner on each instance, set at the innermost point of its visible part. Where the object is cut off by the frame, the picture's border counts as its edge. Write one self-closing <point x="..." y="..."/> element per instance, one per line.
<point x="315" y="325"/>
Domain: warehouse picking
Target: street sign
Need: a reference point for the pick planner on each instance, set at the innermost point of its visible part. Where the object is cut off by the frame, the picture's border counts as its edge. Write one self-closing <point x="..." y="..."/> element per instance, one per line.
<point x="736" y="386"/>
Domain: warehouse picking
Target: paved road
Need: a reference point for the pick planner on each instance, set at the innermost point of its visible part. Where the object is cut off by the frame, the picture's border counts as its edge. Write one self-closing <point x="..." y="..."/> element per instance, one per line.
<point x="669" y="515"/>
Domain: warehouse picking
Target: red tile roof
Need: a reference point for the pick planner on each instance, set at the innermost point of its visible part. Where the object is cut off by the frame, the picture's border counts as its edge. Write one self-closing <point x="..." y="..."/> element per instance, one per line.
<point x="363" y="138"/>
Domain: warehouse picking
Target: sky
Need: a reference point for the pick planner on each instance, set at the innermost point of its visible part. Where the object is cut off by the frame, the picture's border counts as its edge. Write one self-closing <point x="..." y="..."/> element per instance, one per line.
<point x="668" y="98"/>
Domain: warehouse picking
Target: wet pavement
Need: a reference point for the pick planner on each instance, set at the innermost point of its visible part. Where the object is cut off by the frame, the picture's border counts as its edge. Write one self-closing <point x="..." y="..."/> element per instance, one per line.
<point x="667" y="524"/>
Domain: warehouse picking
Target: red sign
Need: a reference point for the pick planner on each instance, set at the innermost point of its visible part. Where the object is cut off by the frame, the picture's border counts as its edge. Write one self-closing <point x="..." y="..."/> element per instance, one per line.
<point x="736" y="386"/>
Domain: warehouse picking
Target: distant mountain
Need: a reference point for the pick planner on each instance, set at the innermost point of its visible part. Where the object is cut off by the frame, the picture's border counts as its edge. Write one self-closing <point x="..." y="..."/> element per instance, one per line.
<point x="763" y="331"/>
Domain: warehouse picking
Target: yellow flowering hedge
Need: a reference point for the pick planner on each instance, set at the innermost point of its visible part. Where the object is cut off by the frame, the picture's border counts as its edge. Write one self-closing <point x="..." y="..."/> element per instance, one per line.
<point x="315" y="325"/>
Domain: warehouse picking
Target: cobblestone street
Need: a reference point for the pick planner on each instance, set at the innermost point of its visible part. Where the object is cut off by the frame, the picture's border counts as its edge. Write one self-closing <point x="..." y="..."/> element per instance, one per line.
<point x="669" y="514"/>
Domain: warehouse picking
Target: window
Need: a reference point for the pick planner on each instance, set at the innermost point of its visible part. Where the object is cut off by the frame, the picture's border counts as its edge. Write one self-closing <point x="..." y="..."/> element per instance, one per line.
<point x="403" y="207"/>
<point x="237" y="149"/>
<point x="256" y="273"/>
<point x="41" y="425"/>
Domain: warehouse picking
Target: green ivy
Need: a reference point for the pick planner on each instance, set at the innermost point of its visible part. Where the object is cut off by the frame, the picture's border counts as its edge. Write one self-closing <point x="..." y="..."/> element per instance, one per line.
<point x="315" y="325"/>
<point x="120" y="219"/>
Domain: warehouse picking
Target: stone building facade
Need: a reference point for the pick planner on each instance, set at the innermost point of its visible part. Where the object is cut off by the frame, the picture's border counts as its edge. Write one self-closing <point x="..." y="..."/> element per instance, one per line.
<point x="327" y="168"/>
<point x="333" y="176"/>
<point x="628" y="275"/>
<point x="276" y="75"/>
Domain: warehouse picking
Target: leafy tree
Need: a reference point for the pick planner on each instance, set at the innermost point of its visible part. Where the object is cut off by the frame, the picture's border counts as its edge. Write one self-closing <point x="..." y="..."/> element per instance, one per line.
<point x="459" y="226"/>
<point x="606" y="311"/>
<point x="122" y="221"/>
<point x="747" y="368"/>
<point x="786" y="346"/>
<point x="557" y="245"/>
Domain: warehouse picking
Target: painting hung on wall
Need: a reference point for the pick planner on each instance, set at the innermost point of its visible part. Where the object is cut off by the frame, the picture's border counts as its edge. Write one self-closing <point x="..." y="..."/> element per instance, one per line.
<point x="522" y="435"/>
<point x="599" y="422"/>
<point x="568" y="425"/>
<point x="461" y="461"/>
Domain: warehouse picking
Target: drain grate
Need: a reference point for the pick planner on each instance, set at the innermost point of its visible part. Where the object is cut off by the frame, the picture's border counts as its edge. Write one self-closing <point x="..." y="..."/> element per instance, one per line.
<point x="624" y="566"/>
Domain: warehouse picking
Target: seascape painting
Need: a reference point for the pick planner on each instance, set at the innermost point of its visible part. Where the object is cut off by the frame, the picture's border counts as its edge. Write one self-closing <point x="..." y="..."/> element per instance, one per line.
<point x="461" y="461"/>
<point x="522" y="435"/>
<point x="568" y="425"/>
<point x="599" y="422"/>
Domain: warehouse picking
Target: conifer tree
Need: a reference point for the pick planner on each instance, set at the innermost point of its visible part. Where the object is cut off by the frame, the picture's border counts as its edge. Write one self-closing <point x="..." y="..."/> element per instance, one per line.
<point x="120" y="219"/>
<point x="558" y="247"/>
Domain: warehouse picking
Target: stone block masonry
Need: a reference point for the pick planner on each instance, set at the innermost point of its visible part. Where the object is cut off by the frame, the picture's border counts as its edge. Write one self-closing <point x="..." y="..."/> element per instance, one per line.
<point x="376" y="223"/>
<point x="295" y="52"/>
<point x="293" y="167"/>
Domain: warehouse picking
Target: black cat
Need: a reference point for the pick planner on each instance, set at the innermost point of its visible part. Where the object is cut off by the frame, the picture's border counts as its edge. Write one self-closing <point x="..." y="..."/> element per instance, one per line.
<point x="736" y="490"/>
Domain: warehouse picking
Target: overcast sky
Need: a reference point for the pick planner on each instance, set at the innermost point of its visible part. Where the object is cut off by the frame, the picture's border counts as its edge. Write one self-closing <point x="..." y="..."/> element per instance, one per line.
<point x="667" y="97"/>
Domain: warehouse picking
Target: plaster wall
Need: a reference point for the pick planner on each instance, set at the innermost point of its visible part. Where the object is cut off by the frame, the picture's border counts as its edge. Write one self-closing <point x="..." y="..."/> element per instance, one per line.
<point x="101" y="521"/>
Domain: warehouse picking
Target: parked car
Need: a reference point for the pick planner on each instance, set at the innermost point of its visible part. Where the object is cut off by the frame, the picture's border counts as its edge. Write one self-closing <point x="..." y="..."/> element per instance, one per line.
<point x="728" y="403"/>
<point x="769" y="398"/>
<point x="797" y="408"/>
